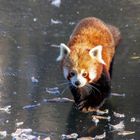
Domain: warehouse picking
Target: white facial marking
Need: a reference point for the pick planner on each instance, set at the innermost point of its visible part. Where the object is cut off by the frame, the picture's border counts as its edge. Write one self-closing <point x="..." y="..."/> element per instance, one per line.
<point x="92" y="74"/>
<point x="79" y="78"/>
<point x="65" y="72"/>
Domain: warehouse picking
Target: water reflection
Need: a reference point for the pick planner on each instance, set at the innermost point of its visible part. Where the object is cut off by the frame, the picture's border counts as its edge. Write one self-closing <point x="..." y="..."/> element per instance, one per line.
<point x="83" y="125"/>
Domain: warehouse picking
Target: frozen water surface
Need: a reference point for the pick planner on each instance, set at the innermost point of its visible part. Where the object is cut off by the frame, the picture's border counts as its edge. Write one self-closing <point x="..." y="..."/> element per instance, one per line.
<point x="30" y="32"/>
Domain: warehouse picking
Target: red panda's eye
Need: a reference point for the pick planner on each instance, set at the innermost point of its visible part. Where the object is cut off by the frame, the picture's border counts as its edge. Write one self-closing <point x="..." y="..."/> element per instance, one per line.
<point x="84" y="74"/>
<point x="72" y="74"/>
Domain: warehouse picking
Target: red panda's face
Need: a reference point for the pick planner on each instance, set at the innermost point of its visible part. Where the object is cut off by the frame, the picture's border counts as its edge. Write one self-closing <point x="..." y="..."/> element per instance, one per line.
<point x="79" y="78"/>
<point x="80" y="66"/>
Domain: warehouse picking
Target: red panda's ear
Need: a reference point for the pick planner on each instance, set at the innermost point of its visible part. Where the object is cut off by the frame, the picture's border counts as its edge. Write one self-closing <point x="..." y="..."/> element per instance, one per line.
<point x="96" y="53"/>
<point x="64" y="51"/>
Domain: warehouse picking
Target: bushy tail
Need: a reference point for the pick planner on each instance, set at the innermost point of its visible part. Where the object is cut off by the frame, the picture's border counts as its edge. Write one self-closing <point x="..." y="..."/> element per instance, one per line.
<point x="116" y="34"/>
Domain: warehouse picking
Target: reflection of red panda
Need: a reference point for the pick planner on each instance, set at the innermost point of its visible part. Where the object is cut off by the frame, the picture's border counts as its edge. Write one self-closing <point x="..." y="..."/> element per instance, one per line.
<point x="89" y="52"/>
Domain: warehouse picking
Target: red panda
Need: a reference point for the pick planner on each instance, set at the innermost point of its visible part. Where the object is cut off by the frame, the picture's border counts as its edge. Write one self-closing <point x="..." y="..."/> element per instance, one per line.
<point x="89" y="52"/>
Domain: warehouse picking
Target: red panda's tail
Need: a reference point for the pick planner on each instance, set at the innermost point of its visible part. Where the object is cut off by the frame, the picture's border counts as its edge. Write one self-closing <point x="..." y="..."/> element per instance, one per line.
<point x="116" y="34"/>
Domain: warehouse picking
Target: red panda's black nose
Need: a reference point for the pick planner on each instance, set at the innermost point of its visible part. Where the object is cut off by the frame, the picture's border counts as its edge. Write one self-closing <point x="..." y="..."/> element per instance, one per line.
<point x="77" y="83"/>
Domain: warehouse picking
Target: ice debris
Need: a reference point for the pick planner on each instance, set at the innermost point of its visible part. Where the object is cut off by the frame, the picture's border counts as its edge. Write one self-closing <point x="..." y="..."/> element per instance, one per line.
<point x="61" y="100"/>
<point x="47" y="138"/>
<point x="56" y="21"/>
<point x="31" y="106"/>
<point x="53" y="100"/>
<point x="35" y="19"/>
<point x="3" y="134"/>
<point x="118" y="127"/>
<point x="70" y="136"/>
<point x="133" y="119"/>
<point x="118" y="95"/>
<point x="26" y="134"/>
<point x="135" y="57"/>
<point x="54" y="90"/>
<point x="118" y="115"/>
<point x="55" y="46"/>
<point x="34" y="80"/>
<point x="125" y="133"/>
<point x="56" y="3"/>
<point x="23" y="134"/>
<point x="72" y="23"/>
<point x="97" y="137"/>
<point x="6" y="109"/>
<point x="19" y="124"/>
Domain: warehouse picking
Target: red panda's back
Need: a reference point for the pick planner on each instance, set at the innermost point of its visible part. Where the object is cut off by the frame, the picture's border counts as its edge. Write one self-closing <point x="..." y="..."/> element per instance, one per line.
<point x="92" y="32"/>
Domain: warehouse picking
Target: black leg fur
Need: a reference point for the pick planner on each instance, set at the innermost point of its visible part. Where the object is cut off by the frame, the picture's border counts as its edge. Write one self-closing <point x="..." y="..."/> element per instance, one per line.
<point x="95" y="96"/>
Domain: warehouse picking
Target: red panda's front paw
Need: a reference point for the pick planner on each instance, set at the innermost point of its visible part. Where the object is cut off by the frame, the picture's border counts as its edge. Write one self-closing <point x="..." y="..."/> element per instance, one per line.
<point x="89" y="109"/>
<point x="80" y="105"/>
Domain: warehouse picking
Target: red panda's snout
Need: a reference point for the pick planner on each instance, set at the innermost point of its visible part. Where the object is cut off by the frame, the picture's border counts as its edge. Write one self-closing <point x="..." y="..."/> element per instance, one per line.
<point x="77" y="79"/>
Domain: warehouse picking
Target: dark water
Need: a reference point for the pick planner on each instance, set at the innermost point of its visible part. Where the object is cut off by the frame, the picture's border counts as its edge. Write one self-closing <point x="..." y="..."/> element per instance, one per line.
<point x="29" y="33"/>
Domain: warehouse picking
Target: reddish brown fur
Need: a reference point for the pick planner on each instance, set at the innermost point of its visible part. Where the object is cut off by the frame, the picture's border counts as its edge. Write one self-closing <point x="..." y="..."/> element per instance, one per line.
<point x="89" y="33"/>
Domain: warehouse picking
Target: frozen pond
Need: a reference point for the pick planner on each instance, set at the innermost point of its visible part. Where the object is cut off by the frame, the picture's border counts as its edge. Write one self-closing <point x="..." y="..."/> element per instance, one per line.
<point x="34" y="101"/>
